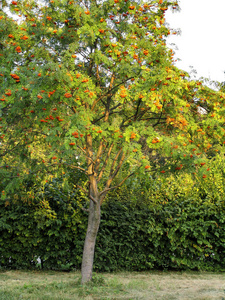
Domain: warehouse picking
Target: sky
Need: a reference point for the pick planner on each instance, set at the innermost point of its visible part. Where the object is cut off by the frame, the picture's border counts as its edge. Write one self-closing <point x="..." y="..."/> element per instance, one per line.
<point x="202" y="40"/>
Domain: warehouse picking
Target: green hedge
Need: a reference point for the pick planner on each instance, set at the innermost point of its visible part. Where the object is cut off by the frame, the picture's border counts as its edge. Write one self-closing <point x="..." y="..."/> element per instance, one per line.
<point x="141" y="229"/>
<point x="173" y="235"/>
<point x="50" y="227"/>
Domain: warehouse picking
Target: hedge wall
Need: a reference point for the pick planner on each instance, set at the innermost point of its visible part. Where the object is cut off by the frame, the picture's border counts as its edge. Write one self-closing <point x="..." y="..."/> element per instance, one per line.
<point x="140" y="230"/>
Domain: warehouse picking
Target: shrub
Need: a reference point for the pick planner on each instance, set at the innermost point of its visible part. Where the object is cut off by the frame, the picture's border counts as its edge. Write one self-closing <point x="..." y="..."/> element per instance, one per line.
<point x="155" y="224"/>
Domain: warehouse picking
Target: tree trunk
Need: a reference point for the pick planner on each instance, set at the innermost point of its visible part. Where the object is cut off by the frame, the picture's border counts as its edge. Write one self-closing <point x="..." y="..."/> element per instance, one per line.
<point x="90" y="239"/>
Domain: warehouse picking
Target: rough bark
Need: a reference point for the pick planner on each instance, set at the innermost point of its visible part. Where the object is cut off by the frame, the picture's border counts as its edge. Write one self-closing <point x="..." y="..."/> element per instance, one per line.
<point x="90" y="239"/>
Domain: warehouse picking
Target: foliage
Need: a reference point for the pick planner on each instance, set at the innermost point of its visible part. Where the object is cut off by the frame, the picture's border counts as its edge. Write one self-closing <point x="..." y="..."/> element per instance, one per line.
<point x="95" y="84"/>
<point x="160" y="223"/>
<point x="181" y="234"/>
<point x="45" y="231"/>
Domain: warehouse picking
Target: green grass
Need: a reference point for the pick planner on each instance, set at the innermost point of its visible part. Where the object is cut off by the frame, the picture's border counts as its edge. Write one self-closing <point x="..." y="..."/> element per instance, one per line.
<point x="16" y="285"/>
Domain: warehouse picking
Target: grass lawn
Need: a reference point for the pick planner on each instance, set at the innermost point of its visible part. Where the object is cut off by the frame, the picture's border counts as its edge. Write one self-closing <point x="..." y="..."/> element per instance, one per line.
<point x="34" y="285"/>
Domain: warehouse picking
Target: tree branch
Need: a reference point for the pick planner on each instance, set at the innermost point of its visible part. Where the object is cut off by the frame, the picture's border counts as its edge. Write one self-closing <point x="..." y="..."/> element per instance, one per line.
<point x="103" y="193"/>
<point x="114" y="173"/>
<point x="85" y="153"/>
<point x="86" y="192"/>
<point x="85" y="209"/>
<point x="75" y="167"/>
<point x="105" y="163"/>
<point x="114" y="161"/>
<point x="99" y="153"/>
<point x="109" y="90"/>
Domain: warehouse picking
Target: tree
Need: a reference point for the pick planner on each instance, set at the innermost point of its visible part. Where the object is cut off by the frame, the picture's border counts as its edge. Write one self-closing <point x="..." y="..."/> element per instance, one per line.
<point x="95" y="83"/>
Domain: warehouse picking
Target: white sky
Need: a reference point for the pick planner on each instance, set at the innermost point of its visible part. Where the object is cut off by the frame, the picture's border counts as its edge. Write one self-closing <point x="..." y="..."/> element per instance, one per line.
<point x="202" y="40"/>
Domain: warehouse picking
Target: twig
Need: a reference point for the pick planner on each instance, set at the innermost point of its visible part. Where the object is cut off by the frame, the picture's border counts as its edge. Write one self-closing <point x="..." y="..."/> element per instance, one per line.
<point x="75" y="167"/>
<point x="85" y="209"/>
<point x="115" y="187"/>
<point x="86" y="192"/>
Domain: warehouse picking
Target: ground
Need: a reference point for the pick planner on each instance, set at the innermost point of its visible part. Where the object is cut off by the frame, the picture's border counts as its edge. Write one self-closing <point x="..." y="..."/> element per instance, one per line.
<point x="37" y="285"/>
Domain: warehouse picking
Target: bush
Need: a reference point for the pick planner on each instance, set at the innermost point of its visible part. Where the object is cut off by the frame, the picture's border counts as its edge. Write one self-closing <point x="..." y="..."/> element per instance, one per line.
<point x="179" y="234"/>
<point x="47" y="231"/>
<point x="157" y="224"/>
